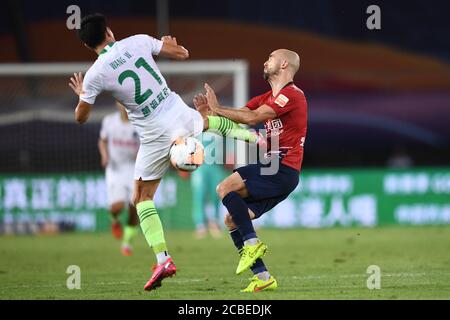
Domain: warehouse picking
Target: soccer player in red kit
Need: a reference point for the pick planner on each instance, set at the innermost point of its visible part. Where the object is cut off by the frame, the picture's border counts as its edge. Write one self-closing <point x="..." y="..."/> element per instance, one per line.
<point x="250" y="191"/>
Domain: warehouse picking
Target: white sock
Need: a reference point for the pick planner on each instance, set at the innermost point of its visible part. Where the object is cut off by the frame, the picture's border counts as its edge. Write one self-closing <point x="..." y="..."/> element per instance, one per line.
<point x="265" y="275"/>
<point x="162" y="257"/>
<point x="251" y="241"/>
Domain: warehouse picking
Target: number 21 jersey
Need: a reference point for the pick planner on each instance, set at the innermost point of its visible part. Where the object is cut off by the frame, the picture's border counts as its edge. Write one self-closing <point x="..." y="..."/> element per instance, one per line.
<point x="127" y="70"/>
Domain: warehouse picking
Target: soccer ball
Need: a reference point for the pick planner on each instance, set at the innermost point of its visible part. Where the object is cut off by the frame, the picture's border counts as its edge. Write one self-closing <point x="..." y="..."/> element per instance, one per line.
<point x="187" y="154"/>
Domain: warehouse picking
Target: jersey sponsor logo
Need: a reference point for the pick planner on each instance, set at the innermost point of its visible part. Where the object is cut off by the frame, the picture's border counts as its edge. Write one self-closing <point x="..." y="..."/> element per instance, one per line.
<point x="124" y="143"/>
<point x="274" y="127"/>
<point x="281" y="100"/>
<point x="274" y="124"/>
<point x="146" y="110"/>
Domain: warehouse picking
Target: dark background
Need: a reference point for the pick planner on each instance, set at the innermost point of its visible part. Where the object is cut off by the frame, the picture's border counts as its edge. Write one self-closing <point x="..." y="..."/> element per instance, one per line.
<point x="373" y="95"/>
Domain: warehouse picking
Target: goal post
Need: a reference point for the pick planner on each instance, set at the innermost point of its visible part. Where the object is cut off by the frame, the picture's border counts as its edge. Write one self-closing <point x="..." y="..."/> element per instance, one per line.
<point x="236" y="70"/>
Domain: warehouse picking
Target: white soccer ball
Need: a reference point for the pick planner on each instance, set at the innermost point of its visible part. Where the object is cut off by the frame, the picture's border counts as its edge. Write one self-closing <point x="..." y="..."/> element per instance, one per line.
<point x="187" y="154"/>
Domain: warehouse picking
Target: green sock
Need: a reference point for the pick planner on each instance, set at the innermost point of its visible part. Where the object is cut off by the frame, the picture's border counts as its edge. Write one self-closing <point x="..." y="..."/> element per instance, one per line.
<point x="230" y="129"/>
<point x="129" y="233"/>
<point x="151" y="226"/>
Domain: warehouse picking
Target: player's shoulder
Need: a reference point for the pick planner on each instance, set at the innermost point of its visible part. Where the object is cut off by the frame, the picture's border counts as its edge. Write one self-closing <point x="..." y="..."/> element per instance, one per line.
<point x="256" y="101"/>
<point x="95" y="72"/>
<point x="293" y="90"/>
<point x="292" y="93"/>
<point x="264" y="95"/>
<point x="138" y="38"/>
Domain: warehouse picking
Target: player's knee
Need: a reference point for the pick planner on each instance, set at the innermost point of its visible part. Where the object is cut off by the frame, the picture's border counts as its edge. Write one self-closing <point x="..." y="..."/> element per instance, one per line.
<point x="228" y="221"/>
<point x="222" y="190"/>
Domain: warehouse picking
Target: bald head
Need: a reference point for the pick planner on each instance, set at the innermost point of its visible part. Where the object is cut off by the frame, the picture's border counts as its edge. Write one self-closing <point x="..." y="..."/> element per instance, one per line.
<point x="291" y="57"/>
<point x="282" y="64"/>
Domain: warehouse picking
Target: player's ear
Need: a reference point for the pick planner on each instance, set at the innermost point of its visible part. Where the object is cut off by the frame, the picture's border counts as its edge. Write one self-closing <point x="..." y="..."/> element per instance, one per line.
<point x="87" y="46"/>
<point x="109" y="33"/>
<point x="284" y="64"/>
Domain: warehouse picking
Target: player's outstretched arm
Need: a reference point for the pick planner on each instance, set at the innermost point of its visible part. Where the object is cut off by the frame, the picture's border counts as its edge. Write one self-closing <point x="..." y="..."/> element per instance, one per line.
<point x="82" y="112"/>
<point x="83" y="109"/>
<point x="243" y="115"/>
<point x="221" y="125"/>
<point x="171" y="49"/>
<point x="103" y="149"/>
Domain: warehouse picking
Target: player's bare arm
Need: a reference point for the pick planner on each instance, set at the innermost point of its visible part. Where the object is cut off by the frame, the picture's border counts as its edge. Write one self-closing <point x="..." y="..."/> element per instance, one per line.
<point x="171" y="49"/>
<point x="201" y="104"/>
<point x="103" y="149"/>
<point x="82" y="112"/>
<point x="243" y="115"/>
<point x="83" y="109"/>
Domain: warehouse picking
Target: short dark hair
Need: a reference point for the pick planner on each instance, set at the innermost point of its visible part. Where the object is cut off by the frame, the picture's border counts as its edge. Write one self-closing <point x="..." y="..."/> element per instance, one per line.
<point x="92" y="29"/>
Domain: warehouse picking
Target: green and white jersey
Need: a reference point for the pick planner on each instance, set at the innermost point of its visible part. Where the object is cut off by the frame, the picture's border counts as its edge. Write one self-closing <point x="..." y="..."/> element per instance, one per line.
<point x="127" y="70"/>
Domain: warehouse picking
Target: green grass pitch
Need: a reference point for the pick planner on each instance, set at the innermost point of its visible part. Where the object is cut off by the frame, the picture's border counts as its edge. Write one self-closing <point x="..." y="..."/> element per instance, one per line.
<point x="308" y="264"/>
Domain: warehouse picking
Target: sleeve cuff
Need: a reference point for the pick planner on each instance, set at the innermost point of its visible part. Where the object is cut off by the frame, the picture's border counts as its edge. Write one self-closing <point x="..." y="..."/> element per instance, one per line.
<point x="158" y="46"/>
<point x="89" y="100"/>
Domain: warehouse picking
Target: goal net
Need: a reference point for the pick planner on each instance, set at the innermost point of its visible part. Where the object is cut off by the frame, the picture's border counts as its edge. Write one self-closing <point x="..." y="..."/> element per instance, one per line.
<point x="50" y="173"/>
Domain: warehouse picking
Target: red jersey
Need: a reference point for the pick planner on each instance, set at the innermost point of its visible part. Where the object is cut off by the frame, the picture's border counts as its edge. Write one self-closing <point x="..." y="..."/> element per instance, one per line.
<point x="290" y="125"/>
